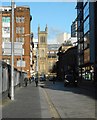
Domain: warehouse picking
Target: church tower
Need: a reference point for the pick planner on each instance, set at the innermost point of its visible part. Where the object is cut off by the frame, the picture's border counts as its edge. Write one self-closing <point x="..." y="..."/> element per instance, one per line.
<point x="42" y="51"/>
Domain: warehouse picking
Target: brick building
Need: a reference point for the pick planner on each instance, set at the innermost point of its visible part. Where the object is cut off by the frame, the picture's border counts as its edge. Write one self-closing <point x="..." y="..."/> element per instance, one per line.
<point x="22" y="20"/>
<point x="0" y="35"/>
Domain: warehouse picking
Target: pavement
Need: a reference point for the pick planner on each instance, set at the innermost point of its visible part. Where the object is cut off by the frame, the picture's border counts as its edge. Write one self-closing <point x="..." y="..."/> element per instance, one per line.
<point x="50" y="100"/>
<point x="29" y="103"/>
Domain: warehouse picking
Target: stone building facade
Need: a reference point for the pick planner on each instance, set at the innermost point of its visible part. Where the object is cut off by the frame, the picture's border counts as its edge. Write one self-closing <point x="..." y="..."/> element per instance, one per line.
<point x="42" y="52"/>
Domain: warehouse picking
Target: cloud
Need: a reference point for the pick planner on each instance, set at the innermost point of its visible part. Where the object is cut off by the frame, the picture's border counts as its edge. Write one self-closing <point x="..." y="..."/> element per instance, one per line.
<point x="52" y="41"/>
<point x="35" y="40"/>
<point x="53" y="32"/>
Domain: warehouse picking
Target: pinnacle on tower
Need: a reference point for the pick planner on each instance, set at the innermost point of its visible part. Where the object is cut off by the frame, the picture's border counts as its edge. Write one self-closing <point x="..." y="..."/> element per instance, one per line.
<point x="46" y="28"/>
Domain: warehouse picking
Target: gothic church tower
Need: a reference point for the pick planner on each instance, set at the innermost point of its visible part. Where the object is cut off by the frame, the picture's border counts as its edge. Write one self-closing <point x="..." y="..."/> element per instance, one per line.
<point x="42" y="51"/>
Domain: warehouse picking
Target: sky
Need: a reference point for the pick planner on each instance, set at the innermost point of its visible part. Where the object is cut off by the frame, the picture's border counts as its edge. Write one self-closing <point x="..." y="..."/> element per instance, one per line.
<point x="57" y="15"/>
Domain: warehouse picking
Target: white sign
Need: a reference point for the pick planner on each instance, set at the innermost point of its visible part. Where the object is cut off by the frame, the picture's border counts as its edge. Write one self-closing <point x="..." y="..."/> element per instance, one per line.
<point x="16" y="45"/>
<point x="21" y="63"/>
<point x="18" y="50"/>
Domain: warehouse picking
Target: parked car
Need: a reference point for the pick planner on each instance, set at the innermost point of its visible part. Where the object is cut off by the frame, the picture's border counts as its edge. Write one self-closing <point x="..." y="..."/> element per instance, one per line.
<point x="70" y="79"/>
<point x="42" y="78"/>
<point x="50" y="79"/>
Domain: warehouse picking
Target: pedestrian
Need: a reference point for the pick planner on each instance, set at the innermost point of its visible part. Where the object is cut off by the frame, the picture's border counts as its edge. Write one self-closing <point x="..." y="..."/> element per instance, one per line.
<point x="36" y="81"/>
<point x="32" y="78"/>
<point x="25" y="81"/>
<point x="54" y="80"/>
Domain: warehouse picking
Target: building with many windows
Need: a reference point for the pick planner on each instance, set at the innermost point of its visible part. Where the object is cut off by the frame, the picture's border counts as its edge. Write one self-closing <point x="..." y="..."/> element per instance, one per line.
<point x="52" y="57"/>
<point x="86" y="35"/>
<point x="74" y="29"/>
<point x="22" y="20"/>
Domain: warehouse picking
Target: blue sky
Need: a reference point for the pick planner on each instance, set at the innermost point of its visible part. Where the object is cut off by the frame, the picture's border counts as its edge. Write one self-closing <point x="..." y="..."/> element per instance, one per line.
<point x="57" y="15"/>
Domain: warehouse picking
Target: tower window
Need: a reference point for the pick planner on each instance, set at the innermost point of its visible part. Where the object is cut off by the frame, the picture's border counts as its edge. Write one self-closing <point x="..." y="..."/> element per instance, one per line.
<point x="42" y="39"/>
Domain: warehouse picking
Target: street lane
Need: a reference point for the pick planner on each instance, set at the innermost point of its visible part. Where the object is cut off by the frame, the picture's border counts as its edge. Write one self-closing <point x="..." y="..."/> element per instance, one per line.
<point x="50" y="100"/>
<point x="71" y="102"/>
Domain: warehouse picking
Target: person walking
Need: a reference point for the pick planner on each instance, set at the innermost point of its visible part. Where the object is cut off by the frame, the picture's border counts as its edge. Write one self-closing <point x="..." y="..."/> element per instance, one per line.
<point x="36" y="81"/>
<point x="25" y="81"/>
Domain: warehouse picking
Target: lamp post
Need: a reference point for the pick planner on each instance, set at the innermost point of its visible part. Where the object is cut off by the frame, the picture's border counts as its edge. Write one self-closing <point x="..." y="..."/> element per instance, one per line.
<point x="21" y="68"/>
<point x="37" y="62"/>
<point x="12" y="52"/>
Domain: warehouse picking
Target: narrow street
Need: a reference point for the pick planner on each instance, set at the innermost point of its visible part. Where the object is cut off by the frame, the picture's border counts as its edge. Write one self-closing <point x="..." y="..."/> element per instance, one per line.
<point x="72" y="102"/>
<point x="50" y="101"/>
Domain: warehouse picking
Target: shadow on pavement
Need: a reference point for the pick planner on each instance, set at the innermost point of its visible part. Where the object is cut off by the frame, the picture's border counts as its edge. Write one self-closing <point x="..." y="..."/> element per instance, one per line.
<point x="84" y="90"/>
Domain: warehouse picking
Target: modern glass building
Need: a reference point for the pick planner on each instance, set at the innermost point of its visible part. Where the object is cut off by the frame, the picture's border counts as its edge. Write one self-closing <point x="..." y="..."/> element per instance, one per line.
<point x="86" y="36"/>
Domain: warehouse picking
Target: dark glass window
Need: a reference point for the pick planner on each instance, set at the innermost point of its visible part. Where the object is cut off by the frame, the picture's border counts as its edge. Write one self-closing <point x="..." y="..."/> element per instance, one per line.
<point x="86" y="10"/>
<point x="86" y="41"/>
<point x="86" y="25"/>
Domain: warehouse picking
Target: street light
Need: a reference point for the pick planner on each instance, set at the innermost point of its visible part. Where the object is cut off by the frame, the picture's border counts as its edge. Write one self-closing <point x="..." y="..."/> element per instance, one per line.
<point x="37" y="62"/>
<point x="12" y="52"/>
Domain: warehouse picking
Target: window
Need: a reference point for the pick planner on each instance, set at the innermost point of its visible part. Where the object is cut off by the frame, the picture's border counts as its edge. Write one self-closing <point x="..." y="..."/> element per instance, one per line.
<point x="20" y="30"/>
<point x="42" y="39"/>
<point x="20" y="39"/>
<point x="7" y="60"/>
<point x="6" y="19"/>
<point x="86" y="41"/>
<point x="5" y="39"/>
<point x="86" y="10"/>
<point x="20" y="19"/>
<point x="81" y="46"/>
<point x="86" y="25"/>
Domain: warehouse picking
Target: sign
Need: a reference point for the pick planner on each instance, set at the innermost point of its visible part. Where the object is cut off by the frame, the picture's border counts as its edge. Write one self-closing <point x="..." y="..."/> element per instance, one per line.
<point x="17" y="45"/>
<point x="21" y="63"/>
<point x="18" y="50"/>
